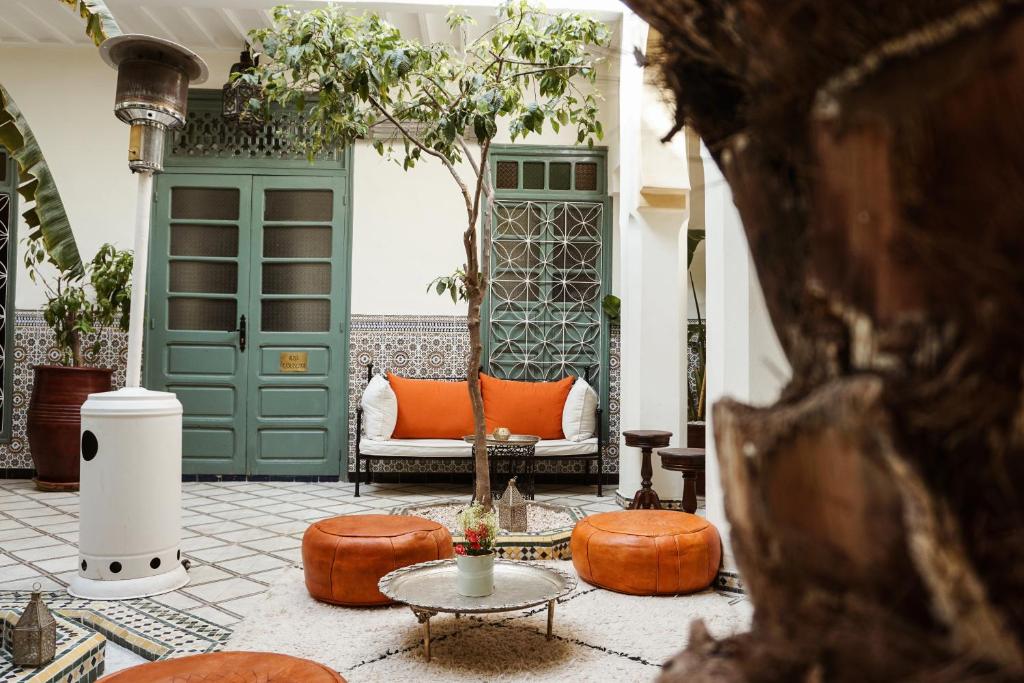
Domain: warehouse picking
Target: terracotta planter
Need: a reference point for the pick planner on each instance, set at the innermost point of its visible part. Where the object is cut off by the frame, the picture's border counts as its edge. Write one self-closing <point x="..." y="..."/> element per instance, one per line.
<point x="54" y="421"/>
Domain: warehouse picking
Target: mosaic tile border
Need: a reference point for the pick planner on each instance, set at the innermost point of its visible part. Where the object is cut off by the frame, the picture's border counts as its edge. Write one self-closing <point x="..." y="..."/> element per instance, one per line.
<point x="418" y="346"/>
<point x="436" y="346"/>
<point x="730" y="582"/>
<point x="148" y="628"/>
<point x="541" y="545"/>
<point x="80" y="652"/>
<point x="34" y="345"/>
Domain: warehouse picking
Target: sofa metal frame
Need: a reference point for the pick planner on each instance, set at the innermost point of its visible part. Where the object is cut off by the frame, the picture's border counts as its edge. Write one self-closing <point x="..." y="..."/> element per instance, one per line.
<point x="597" y="457"/>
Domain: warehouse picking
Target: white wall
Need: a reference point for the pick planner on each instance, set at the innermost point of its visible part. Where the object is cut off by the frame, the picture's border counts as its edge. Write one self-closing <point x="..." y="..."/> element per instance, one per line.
<point x="67" y="97"/>
<point x="407" y="226"/>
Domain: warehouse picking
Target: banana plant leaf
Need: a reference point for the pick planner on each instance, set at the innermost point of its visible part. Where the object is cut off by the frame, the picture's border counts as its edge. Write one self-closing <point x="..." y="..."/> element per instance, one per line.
<point x="99" y="20"/>
<point x="46" y="217"/>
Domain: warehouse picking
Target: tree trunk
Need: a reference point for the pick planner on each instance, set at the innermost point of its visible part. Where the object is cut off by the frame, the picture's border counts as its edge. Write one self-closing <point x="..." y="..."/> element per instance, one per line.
<point x="476" y="286"/>
<point x="875" y="151"/>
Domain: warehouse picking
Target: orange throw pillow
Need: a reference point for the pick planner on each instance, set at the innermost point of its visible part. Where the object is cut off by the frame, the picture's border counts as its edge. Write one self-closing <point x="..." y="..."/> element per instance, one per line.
<point x="524" y="407"/>
<point x="431" y="409"/>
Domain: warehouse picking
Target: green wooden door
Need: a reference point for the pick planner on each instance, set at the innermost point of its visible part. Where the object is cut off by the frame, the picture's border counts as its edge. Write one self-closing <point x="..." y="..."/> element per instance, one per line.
<point x="297" y="316"/>
<point x="267" y="255"/>
<point x="198" y="291"/>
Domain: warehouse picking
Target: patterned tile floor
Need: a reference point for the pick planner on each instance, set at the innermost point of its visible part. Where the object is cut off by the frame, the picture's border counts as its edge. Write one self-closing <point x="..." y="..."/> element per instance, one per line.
<point x="238" y="535"/>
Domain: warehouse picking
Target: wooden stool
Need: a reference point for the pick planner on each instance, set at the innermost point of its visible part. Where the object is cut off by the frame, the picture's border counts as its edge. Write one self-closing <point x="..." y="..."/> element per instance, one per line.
<point x="646" y="440"/>
<point x="689" y="461"/>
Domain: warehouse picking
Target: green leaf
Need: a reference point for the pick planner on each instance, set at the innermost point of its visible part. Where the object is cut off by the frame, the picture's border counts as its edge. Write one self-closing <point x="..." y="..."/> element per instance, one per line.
<point x="612" y="306"/>
<point x="38" y="186"/>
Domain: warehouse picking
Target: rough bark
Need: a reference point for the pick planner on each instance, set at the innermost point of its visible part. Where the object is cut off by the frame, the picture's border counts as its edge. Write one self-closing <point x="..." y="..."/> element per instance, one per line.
<point x="875" y="151"/>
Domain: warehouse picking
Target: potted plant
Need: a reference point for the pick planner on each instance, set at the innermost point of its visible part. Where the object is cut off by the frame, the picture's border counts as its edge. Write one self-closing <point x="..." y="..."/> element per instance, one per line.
<point x="76" y="305"/>
<point x="475" y="555"/>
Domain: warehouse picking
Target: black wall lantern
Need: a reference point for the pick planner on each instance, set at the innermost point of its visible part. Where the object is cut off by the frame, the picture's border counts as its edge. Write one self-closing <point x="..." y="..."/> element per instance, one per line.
<point x="238" y="93"/>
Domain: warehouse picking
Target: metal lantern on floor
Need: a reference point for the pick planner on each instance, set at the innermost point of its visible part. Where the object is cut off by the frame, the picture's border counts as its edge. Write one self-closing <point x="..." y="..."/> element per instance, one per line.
<point x="35" y="634"/>
<point x="512" y="509"/>
<point x="130" y="515"/>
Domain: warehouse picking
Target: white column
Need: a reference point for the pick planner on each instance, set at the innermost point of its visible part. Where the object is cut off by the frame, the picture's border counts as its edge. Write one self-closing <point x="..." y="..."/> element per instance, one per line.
<point x="651" y="282"/>
<point x="744" y="358"/>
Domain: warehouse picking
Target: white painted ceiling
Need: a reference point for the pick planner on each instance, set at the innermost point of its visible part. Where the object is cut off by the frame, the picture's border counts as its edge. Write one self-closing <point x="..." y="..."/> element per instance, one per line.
<point x="223" y="24"/>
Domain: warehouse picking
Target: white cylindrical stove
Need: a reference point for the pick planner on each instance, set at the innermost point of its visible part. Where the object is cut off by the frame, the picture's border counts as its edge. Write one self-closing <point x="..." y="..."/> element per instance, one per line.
<point x="130" y="496"/>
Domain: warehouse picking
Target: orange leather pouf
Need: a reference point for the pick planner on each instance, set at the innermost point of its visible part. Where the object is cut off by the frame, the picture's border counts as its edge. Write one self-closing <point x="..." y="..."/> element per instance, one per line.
<point x="227" y="667"/>
<point x="345" y="557"/>
<point x="646" y="552"/>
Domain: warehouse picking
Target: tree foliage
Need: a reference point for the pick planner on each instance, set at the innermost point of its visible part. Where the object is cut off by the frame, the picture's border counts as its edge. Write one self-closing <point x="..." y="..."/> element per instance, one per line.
<point x="356" y="71"/>
<point x="355" y="76"/>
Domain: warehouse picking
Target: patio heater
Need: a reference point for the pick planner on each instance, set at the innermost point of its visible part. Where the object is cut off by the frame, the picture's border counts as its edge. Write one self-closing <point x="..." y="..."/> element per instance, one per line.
<point x="130" y="500"/>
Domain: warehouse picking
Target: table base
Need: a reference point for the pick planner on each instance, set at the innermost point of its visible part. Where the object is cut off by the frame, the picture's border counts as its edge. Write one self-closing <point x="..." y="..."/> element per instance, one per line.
<point x="423" y="616"/>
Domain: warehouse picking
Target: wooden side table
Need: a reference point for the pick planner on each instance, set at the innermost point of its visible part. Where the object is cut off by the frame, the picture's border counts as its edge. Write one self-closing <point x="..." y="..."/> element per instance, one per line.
<point x="689" y="461"/>
<point x="646" y="440"/>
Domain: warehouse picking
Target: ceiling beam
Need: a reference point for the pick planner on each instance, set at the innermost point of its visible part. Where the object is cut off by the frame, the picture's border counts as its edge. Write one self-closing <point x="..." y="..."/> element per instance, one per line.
<point x="26" y="37"/>
<point x="190" y="15"/>
<point x="148" y="13"/>
<point x="236" y="24"/>
<point x="48" y="25"/>
<point x="601" y="9"/>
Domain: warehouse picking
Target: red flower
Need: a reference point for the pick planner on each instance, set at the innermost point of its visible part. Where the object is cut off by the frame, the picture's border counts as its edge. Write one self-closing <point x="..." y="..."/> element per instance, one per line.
<point x="460" y="549"/>
<point x="471" y="536"/>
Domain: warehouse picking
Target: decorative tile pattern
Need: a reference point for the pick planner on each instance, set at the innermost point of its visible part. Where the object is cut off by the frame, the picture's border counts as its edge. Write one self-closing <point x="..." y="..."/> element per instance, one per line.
<point x="34" y="345"/>
<point x="552" y="544"/>
<point x="436" y="346"/>
<point x="415" y="346"/>
<point x="80" y="651"/>
<point x="238" y="536"/>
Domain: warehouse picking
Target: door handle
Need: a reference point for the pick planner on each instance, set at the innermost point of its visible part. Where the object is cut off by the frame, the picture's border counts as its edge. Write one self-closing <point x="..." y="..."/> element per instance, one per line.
<point x="241" y="333"/>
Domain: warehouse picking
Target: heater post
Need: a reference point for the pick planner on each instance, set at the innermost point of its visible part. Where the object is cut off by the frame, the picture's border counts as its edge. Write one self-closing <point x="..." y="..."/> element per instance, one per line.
<point x="136" y="323"/>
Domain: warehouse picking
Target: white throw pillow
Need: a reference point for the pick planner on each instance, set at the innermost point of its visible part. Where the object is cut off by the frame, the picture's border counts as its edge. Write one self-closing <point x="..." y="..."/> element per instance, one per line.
<point x="380" y="409"/>
<point x="578" y="419"/>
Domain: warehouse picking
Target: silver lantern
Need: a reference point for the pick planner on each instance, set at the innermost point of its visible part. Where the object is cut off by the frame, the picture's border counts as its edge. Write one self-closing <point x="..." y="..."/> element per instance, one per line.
<point x="512" y="509"/>
<point x="35" y="634"/>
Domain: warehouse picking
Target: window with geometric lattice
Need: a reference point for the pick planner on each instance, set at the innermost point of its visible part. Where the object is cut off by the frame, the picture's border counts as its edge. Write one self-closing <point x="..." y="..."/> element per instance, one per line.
<point x="549" y="266"/>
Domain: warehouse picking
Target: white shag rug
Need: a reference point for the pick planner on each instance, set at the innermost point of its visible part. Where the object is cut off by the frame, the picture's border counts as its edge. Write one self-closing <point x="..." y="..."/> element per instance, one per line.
<point x="599" y="635"/>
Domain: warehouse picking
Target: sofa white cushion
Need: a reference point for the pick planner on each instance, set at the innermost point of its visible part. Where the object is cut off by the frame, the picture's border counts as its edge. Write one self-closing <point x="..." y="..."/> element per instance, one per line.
<point x="578" y="419"/>
<point x="457" y="448"/>
<point x="380" y="409"/>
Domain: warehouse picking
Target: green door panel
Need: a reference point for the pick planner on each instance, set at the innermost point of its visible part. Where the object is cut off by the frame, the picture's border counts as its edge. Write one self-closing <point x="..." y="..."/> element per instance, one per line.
<point x="299" y="278"/>
<point x="204" y="359"/>
<point x="206" y="401"/>
<point x="208" y="445"/>
<point x="296" y="402"/>
<point x="199" y="288"/>
<point x="293" y="448"/>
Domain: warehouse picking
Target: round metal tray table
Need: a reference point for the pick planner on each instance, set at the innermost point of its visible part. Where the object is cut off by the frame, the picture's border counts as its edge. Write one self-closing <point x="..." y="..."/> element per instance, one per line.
<point x="429" y="588"/>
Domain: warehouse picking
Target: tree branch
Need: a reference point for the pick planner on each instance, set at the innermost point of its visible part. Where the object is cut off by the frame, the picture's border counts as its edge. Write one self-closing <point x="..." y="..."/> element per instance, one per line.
<point x="432" y="152"/>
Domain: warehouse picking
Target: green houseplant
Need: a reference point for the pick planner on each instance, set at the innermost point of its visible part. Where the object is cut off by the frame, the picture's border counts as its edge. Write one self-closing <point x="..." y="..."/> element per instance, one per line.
<point x="76" y="306"/>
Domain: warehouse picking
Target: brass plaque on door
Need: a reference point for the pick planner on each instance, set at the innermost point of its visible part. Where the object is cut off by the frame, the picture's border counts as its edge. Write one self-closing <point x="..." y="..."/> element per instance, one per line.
<point x="294" y="361"/>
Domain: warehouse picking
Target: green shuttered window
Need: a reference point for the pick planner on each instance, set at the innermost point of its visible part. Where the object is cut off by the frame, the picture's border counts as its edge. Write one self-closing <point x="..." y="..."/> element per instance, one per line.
<point x="550" y="265"/>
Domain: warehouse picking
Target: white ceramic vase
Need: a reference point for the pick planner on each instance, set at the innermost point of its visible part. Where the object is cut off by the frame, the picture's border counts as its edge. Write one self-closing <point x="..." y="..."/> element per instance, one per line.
<point x="475" y="577"/>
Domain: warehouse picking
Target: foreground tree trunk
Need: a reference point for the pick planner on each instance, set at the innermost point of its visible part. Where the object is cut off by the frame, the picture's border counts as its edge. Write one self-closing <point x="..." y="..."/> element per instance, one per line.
<point x="875" y="152"/>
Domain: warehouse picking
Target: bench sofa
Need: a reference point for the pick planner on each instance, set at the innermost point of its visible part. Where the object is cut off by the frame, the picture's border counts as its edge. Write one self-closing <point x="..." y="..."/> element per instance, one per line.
<point x="371" y="447"/>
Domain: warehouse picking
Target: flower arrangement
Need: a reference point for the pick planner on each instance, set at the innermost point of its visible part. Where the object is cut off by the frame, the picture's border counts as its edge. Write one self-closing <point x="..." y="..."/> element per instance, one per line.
<point x="479" y="527"/>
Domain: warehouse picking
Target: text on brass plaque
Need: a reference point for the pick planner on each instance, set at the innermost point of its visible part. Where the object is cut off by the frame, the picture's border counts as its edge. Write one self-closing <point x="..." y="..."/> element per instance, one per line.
<point x="294" y="361"/>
